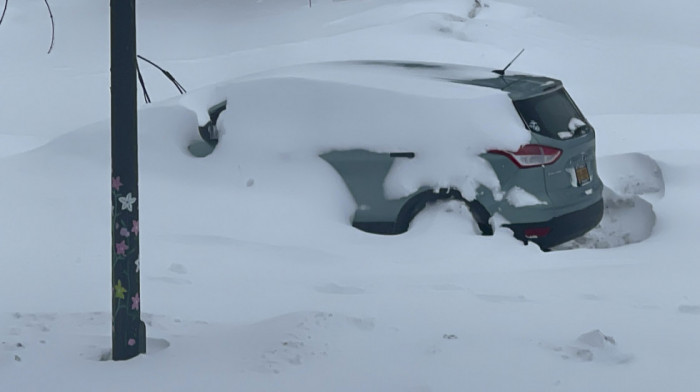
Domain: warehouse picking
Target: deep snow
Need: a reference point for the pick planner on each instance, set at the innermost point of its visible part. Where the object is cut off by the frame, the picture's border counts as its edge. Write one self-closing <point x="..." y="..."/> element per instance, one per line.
<point x="252" y="278"/>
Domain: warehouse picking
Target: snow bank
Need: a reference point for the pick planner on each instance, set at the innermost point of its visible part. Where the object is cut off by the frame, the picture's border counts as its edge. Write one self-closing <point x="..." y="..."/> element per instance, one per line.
<point x="632" y="174"/>
<point x="16" y="144"/>
<point x="628" y="217"/>
<point x="592" y="346"/>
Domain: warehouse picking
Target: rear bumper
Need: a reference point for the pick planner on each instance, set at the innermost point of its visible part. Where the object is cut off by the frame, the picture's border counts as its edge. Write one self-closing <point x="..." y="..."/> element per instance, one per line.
<point x="560" y="229"/>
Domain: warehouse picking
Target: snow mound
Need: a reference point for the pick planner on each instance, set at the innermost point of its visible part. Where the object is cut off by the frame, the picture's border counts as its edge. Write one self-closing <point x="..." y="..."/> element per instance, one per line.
<point x="628" y="217"/>
<point x="626" y="220"/>
<point x="16" y="144"/>
<point x="592" y="346"/>
<point x="596" y="339"/>
<point x="632" y="174"/>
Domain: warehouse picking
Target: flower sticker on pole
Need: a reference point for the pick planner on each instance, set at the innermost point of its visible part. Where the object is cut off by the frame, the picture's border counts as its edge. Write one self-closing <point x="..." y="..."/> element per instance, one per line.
<point x="135" y="300"/>
<point x="119" y="290"/>
<point x="121" y="248"/>
<point x="116" y="183"/>
<point x="127" y="202"/>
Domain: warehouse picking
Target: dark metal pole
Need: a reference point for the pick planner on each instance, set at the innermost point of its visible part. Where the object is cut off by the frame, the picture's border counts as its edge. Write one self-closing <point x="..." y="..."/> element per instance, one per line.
<point x="128" y="331"/>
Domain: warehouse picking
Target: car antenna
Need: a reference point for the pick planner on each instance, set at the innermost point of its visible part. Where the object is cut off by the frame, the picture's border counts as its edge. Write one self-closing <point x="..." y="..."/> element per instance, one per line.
<point x="503" y="71"/>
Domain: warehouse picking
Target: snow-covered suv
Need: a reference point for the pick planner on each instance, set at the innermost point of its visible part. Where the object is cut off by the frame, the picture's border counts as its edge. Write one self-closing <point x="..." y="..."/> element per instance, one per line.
<point x="548" y="190"/>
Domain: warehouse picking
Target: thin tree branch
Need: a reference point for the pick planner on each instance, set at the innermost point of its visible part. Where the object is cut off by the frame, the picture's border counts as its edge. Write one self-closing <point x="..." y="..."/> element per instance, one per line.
<point x="166" y="73"/>
<point x="146" y="97"/>
<point x="3" y="11"/>
<point x="53" y="26"/>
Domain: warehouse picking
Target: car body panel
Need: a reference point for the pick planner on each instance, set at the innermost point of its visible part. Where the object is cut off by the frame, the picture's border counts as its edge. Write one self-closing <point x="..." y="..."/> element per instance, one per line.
<point x="364" y="173"/>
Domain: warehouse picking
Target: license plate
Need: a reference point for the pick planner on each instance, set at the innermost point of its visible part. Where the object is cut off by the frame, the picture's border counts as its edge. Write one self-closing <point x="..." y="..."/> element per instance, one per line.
<point x="582" y="175"/>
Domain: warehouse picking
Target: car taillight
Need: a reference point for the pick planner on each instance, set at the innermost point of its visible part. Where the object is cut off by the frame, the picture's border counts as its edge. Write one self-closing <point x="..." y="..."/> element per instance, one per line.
<point x="531" y="155"/>
<point x="537" y="232"/>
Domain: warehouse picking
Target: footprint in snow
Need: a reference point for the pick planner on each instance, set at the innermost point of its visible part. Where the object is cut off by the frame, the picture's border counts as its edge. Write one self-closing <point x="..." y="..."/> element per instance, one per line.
<point x="689" y="309"/>
<point x="177" y="281"/>
<point x="177" y="268"/>
<point x="501" y="298"/>
<point x="333" y="288"/>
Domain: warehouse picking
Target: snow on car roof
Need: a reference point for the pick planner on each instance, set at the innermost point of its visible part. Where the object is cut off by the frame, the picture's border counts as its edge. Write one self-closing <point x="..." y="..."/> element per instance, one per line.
<point x="309" y="110"/>
<point x="426" y="79"/>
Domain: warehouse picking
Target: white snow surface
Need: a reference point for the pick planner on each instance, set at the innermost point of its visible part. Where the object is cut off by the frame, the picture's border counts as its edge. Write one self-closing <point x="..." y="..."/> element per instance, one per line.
<point x="252" y="278"/>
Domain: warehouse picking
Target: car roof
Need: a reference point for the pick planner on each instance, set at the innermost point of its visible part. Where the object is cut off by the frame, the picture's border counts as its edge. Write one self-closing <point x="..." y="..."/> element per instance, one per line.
<point x="417" y="77"/>
<point x="382" y="76"/>
<point x="518" y="86"/>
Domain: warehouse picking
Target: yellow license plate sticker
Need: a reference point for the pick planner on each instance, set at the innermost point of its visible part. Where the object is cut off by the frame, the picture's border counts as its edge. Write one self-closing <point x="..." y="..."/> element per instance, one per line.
<point x="582" y="175"/>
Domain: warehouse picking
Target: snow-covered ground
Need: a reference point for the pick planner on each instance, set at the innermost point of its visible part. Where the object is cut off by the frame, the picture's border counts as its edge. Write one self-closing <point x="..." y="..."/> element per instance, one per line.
<point x="253" y="279"/>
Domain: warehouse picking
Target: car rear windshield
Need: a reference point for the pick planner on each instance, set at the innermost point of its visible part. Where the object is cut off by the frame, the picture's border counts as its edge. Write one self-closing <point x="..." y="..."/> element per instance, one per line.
<point x="553" y="114"/>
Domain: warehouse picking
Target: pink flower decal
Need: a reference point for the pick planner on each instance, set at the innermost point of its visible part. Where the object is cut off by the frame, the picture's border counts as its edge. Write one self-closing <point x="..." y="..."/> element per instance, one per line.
<point x="135" y="227"/>
<point x="124" y="232"/>
<point x="131" y="342"/>
<point x="121" y="248"/>
<point x="116" y="183"/>
<point x="135" y="302"/>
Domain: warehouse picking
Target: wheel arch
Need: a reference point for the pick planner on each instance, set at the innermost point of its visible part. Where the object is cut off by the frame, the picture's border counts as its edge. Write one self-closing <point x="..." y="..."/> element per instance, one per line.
<point x="418" y="202"/>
